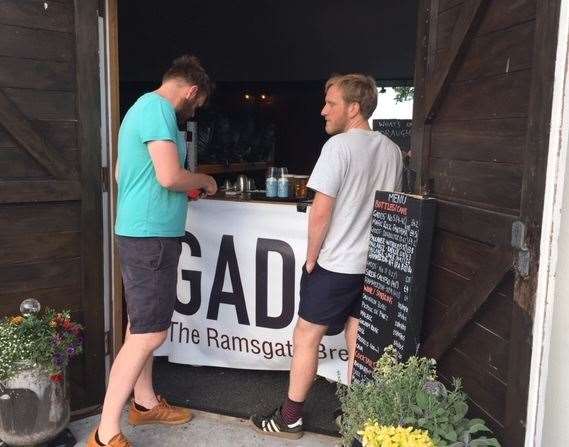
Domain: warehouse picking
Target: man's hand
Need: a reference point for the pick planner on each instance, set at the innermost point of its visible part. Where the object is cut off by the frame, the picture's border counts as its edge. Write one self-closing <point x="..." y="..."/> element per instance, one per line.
<point x="318" y="221"/>
<point x="309" y="266"/>
<point x="211" y="186"/>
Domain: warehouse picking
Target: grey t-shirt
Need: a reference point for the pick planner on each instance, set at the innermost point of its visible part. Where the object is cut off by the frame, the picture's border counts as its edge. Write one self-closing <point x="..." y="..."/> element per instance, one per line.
<point x="352" y="166"/>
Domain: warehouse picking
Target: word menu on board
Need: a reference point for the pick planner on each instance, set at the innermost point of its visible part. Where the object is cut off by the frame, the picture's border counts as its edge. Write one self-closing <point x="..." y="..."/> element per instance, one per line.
<point x="395" y="279"/>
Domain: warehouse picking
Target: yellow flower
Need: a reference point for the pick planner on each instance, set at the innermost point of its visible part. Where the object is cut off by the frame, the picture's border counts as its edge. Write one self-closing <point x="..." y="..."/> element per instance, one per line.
<point x="16" y="321"/>
<point x="375" y="435"/>
<point x="52" y="323"/>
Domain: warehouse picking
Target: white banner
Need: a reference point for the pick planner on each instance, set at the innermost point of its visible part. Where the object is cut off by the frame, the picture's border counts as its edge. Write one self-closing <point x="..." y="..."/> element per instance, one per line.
<point x="238" y="289"/>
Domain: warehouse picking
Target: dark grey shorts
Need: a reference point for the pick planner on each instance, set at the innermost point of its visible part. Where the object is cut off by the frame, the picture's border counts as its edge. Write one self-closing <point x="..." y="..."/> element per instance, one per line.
<point x="150" y="273"/>
<point x="330" y="298"/>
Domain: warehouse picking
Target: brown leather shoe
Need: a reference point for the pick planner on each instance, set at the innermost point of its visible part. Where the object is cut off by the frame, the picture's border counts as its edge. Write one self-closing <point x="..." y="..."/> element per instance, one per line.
<point x="163" y="413"/>
<point x="116" y="441"/>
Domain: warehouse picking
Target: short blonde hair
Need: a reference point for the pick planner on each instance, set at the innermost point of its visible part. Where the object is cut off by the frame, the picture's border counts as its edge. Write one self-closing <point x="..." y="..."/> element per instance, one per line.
<point x="358" y="88"/>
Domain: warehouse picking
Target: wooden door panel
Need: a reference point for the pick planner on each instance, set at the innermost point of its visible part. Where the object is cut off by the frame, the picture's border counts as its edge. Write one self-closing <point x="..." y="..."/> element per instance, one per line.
<point x="26" y="277"/>
<point x="503" y="14"/>
<point x="23" y="132"/>
<point x="490" y="391"/>
<point x="485" y="348"/>
<point x="491" y="313"/>
<point x="483" y="88"/>
<point x="447" y="20"/>
<point x="503" y="96"/>
<point x="500" y="15"/>
<point x="57" y="17"/>
<point x="51" y="246"/>
<point x="493" y="140"/>
<point x="489" y="56"/>
<point x="41" y="247"/>
<point x="458" y="254"/>
<point x="22" y="220"/>
<point x="66" y="297"/>
<point x="34" y="74"/>
<point x="445" y="285"/>
<point x="498" y="305"/>
<point x="28" y="191"/>
<point x="487" y="185"/>
<point x="475" y="224"/>
<point x="61" y="134"/>
<point x="37" y="44"/>
<point x="447" y="4"/>
<point x="16" y="164"/>
<point x="44" y="105"/>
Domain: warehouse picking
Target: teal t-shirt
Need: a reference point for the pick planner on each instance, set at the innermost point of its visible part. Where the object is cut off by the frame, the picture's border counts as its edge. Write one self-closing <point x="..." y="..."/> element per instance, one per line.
<point x="145" y="208"/>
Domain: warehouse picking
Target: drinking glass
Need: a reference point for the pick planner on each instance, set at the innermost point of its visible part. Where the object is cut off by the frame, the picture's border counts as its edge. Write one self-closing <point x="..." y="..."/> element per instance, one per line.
<point x="271" y="172"/>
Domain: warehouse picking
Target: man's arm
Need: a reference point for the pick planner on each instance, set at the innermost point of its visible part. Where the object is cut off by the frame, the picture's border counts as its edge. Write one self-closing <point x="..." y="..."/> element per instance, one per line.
<point x="318" y="223"/>
<point x="171" y="175"/>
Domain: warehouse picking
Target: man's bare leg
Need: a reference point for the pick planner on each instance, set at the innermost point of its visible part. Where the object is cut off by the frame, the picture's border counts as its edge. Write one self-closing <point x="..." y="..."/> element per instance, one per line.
<point x="144" y="393"/>
<point x="125" y="372"/>
<point x="307" y="336"/>
<point x="351" y="334"/>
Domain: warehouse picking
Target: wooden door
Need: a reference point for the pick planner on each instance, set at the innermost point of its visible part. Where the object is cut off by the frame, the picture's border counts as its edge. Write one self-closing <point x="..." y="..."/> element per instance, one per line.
<point x="50" y="176"/>
<point x="483" y="79"/>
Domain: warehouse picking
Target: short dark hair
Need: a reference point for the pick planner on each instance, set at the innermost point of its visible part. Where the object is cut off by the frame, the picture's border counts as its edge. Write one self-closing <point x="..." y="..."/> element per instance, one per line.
<point x="356" y="87"/>
<point x="189" y="69"/>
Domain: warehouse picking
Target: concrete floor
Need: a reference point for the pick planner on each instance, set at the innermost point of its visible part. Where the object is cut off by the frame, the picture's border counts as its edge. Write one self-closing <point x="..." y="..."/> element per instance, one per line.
<point x="206" y="429"/>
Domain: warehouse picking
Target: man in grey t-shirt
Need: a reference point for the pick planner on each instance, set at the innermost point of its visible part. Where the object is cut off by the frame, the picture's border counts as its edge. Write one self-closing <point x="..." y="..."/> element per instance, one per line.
<point x="354" y="163"/>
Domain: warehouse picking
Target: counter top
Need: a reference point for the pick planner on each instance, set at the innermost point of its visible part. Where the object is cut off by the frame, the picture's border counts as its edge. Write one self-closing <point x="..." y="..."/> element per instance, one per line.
<point x="254" y="197"/>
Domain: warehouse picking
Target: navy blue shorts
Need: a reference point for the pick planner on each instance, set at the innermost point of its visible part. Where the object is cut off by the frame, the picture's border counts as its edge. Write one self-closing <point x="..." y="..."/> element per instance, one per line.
<point x="329" y="298"/>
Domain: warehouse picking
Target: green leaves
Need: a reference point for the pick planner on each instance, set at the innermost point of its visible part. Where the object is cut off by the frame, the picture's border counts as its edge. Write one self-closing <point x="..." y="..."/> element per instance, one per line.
<point x="484" y="442"/>
<point x="407" y="394"/>
<point x="460" y="410"/>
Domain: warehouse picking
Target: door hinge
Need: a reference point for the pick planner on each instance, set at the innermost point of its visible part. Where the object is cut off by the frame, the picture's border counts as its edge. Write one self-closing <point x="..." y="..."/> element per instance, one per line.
<point x="105" y="178"/>
<point x="523" y="258"/>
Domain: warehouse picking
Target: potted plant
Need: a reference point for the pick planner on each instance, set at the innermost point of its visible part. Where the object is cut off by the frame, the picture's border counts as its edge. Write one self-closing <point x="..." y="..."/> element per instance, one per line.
<point x="35" y="348"/>
<point x="405" y="396"/>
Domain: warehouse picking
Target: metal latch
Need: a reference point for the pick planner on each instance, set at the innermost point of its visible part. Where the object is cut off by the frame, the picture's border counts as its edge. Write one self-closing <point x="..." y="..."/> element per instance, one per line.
<point x="519" y="243"/>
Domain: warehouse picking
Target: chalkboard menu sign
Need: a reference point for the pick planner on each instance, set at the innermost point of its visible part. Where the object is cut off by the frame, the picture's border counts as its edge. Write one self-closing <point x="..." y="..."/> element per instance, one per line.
<point x="399" y="131"/>
<point x="395" y="279"/>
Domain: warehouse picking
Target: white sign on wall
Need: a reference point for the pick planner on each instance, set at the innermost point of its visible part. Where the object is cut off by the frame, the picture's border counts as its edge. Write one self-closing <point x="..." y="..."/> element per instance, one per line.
<point x="238" y="289"/>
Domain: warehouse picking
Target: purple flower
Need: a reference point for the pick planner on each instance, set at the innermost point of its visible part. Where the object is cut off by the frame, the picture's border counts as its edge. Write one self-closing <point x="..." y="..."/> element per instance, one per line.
<point x="70" y="351"/>
<point x="58" y="360"/>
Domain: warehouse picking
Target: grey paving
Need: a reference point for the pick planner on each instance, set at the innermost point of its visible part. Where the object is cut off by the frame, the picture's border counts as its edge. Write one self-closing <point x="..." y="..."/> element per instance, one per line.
<point x="206" y="429"/>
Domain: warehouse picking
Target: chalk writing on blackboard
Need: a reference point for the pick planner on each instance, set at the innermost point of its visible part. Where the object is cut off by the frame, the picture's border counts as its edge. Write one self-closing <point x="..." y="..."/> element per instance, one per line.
<point x="395" y="278"/>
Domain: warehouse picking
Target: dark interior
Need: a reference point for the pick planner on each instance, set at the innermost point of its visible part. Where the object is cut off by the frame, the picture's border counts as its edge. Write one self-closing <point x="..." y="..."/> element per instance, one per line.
<point x="278" y="53"/>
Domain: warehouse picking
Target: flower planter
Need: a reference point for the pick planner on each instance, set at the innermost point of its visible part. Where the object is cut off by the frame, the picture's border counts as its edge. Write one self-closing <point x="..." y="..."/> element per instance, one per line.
<point x="34" y="408"/>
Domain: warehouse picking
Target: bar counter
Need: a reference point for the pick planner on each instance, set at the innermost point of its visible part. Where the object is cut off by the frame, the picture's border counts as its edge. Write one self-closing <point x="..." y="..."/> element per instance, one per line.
<point x="238" y="288"/>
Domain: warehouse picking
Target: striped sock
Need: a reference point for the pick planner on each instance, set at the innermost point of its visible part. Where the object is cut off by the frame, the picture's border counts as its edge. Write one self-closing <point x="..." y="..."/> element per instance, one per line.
<point x="291" y="411"/>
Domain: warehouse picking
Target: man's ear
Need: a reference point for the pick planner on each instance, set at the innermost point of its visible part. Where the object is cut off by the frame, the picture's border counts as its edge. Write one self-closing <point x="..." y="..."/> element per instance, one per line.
<point x="353" y="109"/>
<point x="192" y="92"/>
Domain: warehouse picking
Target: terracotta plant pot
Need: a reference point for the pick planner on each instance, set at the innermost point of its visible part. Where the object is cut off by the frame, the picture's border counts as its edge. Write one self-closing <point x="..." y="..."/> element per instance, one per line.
<point x="33" y="407"/>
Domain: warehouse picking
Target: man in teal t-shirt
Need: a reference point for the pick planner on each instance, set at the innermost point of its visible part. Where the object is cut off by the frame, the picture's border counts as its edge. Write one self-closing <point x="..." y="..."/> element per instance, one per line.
<point x="151" y="217"/>
<point x="146" y="208"/>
